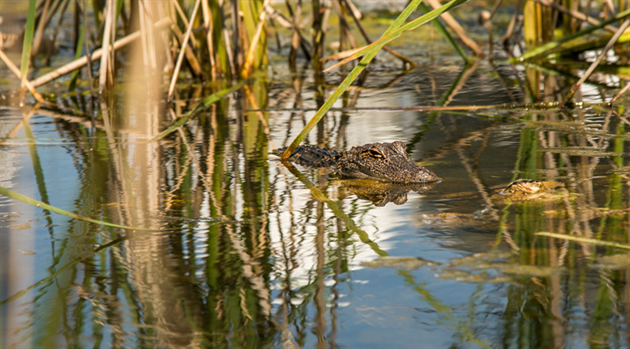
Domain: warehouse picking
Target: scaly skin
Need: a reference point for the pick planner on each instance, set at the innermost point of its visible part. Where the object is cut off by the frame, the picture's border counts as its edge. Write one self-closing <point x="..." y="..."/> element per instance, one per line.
<point x="387" y="162"/>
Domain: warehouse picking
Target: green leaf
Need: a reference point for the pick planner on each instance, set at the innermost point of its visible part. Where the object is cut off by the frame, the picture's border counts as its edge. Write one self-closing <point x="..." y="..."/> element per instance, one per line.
<point x="45" y="206"/>
<point x="28" y="38"/>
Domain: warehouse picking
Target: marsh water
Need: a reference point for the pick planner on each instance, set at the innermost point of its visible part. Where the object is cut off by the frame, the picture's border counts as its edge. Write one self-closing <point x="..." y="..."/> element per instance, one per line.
<point x="246" y="251"/>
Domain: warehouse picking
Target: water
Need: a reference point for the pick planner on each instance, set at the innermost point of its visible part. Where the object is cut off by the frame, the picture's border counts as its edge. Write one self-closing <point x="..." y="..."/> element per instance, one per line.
<point x="247" y="252"/>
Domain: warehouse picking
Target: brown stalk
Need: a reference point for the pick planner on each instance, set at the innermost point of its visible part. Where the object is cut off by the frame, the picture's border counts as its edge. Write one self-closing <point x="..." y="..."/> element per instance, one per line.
<point x="190" y="55"/>
<point x="166" y="43"/>
<point x="451" y="22"/>
<point x="150" y="53"/>
<point x="342" y="55"/>
<point x="283" y="21"/>
<point x="207" y="19"/>
<point x="17" y="73"/>
<point x="344" y="25"/>
<point x="105" y="61"/>
<point x="594" y="65"/>
<point x="181" y="52"/>
<point x="40" y="29"/>
<point x="575" y="14"/>
<point x="94" y="56"/>
<point x="369" y="41"/>
<point x="510" y="30"/>
<point x="54" y="37"/>
<point x="354" y="11"/>
<point x="495" y="7"/>
<point x="182" y="16"/>
<point x="623" y="90"/>
<point x="143" y="36"/>
<point x="254" y="44"/>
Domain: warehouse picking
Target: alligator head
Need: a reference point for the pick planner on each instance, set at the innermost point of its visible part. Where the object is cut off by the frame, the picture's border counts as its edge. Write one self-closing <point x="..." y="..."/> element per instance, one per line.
<point x="383" y="162"/>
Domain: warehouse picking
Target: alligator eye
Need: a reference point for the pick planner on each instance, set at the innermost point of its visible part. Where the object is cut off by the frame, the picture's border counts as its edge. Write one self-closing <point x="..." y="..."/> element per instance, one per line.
<point x="375" y="153"/>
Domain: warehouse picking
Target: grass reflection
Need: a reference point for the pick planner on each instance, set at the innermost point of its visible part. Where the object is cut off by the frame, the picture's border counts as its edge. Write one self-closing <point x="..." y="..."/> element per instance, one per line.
<point x="262" y="255"/>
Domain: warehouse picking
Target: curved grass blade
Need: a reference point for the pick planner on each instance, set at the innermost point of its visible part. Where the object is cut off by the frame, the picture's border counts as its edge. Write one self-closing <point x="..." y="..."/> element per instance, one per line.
<point x="370" y="51"/>
<point x="25" y="199"/>
<point x="204" y="104"/>
<point x="584" y="240"/>
<point x="395" y="32"/>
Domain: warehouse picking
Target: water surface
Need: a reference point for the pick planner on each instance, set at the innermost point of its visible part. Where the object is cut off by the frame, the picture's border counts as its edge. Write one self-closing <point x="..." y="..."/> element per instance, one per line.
<point x="247" y="252"/>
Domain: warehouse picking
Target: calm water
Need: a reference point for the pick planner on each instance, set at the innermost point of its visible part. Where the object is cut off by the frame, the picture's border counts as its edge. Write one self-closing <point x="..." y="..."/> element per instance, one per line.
<point x="248" y="252"/>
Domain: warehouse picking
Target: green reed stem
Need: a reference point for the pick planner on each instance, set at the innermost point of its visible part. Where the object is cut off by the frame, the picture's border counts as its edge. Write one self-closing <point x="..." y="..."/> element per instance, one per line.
<point x="28" y="41"/>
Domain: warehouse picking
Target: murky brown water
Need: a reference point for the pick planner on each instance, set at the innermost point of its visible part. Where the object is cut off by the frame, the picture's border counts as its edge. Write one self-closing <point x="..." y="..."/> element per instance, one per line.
<point x="251" y="253"/>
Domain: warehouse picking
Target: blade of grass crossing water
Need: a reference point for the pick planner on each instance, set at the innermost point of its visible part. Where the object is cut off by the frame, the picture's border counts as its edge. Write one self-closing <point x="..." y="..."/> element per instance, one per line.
<point x="28" y="41"/>
<point x="25" y="199"/>
<point x="369" y="52"/>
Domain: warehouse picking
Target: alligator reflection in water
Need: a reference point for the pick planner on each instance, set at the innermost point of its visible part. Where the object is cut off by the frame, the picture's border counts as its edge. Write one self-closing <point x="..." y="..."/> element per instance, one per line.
<point x="381" y="193"/>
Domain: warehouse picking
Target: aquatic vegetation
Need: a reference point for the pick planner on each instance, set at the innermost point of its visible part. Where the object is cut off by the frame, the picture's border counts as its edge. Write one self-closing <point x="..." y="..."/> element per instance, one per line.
<point x="163" y="116"/>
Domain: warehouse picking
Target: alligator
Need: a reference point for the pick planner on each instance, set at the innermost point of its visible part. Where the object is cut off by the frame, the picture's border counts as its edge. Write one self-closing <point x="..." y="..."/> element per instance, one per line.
<point x="386" y="162"/>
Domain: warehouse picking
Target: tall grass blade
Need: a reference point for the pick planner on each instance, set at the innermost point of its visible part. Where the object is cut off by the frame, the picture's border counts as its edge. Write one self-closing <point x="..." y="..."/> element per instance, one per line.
<point x="204" y="104"/>
<point x="390" y="36"/>
<point x="25" y="199"/>
<point x="26" y="48"/>
<point x="395" y="30"/>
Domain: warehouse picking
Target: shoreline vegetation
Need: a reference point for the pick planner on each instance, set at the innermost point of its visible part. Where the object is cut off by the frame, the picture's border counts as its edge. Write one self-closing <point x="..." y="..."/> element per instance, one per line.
<point x="223" y="42"/>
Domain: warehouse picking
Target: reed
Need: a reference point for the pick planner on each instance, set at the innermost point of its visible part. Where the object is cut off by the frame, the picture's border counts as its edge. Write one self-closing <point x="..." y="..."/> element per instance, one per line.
<point x="222" y="39"/>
